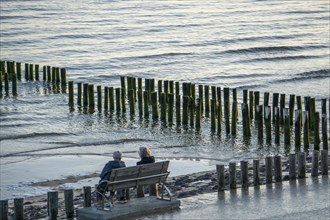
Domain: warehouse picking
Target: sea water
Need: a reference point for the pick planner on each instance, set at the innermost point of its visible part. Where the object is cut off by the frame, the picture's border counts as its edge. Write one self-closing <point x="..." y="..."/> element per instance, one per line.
<point x="267" y="46"/>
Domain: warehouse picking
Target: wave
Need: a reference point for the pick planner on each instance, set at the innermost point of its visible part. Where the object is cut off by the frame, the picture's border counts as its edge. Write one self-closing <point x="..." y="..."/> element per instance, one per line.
<point x="152" y="56"/>
<point x="271" y="49"/>
<point x="32" y="135"/>
<point x="119" y="141"/>
<point x="280" y="58"/>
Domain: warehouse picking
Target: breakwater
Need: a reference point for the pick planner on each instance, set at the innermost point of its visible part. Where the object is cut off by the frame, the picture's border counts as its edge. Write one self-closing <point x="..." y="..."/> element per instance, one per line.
<point x="291" y="118"/>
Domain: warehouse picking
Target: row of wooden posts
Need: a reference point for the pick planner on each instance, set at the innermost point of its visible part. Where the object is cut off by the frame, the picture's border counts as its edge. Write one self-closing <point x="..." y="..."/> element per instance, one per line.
<point x="189" y="108"/>
<point x="168" y="95"/>
<point x="11" y="72"/>
<point x="273" y="173"/>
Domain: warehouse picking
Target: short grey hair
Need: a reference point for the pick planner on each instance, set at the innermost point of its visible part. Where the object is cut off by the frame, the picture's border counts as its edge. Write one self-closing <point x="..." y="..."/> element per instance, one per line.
<point x="117" y="154"/>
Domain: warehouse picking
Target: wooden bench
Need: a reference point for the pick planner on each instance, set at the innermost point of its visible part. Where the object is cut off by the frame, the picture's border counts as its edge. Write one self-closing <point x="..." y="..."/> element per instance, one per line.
<point x="141" y="175"/>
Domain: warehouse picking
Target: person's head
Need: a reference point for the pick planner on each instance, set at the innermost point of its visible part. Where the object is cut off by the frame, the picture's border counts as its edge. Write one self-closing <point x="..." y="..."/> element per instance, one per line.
<point x="144" y="152"/>
<point x="117" y="155"/>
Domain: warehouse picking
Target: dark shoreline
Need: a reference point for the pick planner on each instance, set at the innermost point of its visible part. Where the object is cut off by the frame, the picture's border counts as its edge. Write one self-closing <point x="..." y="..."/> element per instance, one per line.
<point x="181" y="186"/>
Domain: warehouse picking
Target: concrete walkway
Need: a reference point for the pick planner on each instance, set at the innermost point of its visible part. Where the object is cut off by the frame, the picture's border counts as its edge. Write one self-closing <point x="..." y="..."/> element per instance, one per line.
<point x="301" y="199"/>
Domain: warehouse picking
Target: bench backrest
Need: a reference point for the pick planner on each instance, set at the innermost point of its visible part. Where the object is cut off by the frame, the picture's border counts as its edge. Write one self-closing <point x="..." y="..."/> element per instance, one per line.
<point x="134" y="176"/>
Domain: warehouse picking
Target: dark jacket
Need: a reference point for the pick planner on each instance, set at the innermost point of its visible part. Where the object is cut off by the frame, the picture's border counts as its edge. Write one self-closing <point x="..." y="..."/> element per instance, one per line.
<point x="113" y="164"/>
<point x="145" y="160"/>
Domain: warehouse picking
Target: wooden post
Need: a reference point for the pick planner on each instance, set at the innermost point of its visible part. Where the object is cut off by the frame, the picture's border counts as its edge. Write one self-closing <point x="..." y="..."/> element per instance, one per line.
<point x="315" y="163"/>
<point x="316" y="131"/>
<point x="37" y="75"/>
<point x="106" y="99"/>
<point x="251" y="103"/>
<point x="201" y="98"/>
<point x="79" y="85"/>
<point x="177" y="88"/>
<point x="219" y="100"/>
<point x="71" y="94"/>
<point x="131" y="98"/>
<point x="14" y="84"/>
<point x="99" y="98"/>
<point x="246" y="120"/>
<point x="185" y="110"/>
<point x="6" y="83"/>
<point x="53" y="74"/>
<point x="87" y="196"/>
<point x="111" y="99"/>
<point x="171" y="84"/>
<point x="232" y="175"/>
<point x="170" y="108"/>
<point x="1" y="84"/>
<point x="299" y="105"/>
<point x="324" y="162"/>
<point x="312" y="113"/>
<point x="160" y="87"/>
<point x="26" y="75"/>
<point x="213" y="122"/>
<point x="244" y="174"/>
<point x="118" y="98"/>
<point x="4" y="209"/>
<point x="166" y="87"/>
<point x="49" y="74"/>
<point x="325" y="132"/>
<point x="256" y="173"/>
<point x="268" y="124"/>
<point x="259" y="119"/>
<point x="226" y="102"/>
<point x="18" y="208"/>
<point x="324" y="106"/>
<point x="91" y="97"/>
<point x="297" y="129"/>
<point x="123" y="94"/>
<point x="305" y="123"/>
<point x="245" y="96"/>
<point x="234" y="118"/>
<point x="277" y="168"/>
<point x="192" y="109"/>
<point x="301" y="165"/>
<point x="154" y="104"/>
<point x="31" y="72"/>
<point x="63" y="76"/>
<point x="292" y="166"/>
<point x="163" y="105"/>
<point x="19" y="71"/>
<point x="221" y="177"/>
<point x="44" y="73"/>
<point x="266" y="99"/>
<point x="68" y="200"/>
<point x="198" y="114"/>
<point x="256" y="103"/>
<point x="291" y="108"/>
<point x="178" y="109"/>
<point x="146" y="104"/>
<point x="207" y="100"/>
<point x="140" y="102"/>
<point x="85" y="95"/>
<point x="282" y="106"/>
<point x="268" y="167"/>
<point x="140" y="84"/>
<point x="52" y="204"/>
<point x="287" y="136"/>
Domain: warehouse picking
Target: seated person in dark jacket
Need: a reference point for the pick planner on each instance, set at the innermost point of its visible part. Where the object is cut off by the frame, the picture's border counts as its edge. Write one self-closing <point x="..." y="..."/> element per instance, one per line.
<point x="145" y="155"/>
<point x="105" y="175"/>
